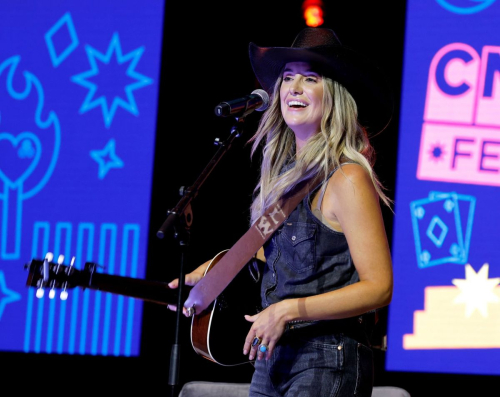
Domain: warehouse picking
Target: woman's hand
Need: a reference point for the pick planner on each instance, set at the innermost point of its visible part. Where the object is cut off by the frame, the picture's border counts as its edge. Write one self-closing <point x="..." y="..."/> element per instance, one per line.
<point x="268" y="326"/>
<point x="190" y="279"/>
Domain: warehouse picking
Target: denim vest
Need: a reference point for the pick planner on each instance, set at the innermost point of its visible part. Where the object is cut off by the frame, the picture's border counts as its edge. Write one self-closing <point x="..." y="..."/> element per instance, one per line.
<point x="305" y="257"/>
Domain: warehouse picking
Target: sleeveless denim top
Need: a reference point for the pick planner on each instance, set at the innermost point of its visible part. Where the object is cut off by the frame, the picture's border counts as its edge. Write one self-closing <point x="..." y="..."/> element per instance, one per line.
<point x="305" y="257"/>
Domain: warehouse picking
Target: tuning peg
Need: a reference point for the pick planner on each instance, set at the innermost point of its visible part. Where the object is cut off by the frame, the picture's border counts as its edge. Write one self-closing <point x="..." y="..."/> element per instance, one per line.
<point x="52" y="291"/>
<point x="63" y="295"/>
<point x="40" y="292"/>
<point x="60" y="259"/>
<point x="45" y="269"/>
<point x="68" y="269"/>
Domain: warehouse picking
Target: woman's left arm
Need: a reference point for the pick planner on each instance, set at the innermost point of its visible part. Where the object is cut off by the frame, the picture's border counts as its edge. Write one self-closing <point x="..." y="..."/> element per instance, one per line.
<point x="351" y="202"/>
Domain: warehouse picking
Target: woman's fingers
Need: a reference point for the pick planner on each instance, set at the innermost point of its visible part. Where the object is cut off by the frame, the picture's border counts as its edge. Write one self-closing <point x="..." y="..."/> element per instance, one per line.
<point x="265" y="350"/>
<point x="190" y="280"/>
<point x="174" y="283"/>
<point x="250" y="339"/>
<point x="251" y="318"/>
<point x="174" y="309"/>
<point x="262" y="336"/>
<point x="251" y="342"/>
<point x="259" y="348"/>
<point x="253" y="346"/>
<point x="254" y="352"/>
<point x="258" y="345"/>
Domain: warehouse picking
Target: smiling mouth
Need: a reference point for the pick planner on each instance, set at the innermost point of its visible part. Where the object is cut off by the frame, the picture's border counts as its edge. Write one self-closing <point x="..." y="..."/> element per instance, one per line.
<point x="297" y="104"/>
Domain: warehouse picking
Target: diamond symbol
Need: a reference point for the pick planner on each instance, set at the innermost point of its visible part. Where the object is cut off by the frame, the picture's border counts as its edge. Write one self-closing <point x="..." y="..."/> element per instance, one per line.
<point x="435" y="223"/>
<point x="67" y="23"/>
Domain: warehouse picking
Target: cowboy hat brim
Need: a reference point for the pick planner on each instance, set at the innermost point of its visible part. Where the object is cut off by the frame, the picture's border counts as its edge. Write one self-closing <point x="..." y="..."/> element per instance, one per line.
<point x="364" y="81"/>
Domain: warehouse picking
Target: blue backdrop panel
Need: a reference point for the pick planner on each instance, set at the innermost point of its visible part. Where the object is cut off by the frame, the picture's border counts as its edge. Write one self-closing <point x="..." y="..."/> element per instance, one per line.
<point x="78" y="108"/>
<point x="445" y="313"/>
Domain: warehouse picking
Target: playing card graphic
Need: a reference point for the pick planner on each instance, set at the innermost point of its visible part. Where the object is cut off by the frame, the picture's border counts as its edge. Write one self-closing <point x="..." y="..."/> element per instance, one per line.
<point x="442" y="225"/>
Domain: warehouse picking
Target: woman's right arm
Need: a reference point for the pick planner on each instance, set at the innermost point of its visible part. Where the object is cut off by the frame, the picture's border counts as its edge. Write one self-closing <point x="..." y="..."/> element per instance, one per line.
<point x="191" y="279"/>
<point x="196" y="275"/>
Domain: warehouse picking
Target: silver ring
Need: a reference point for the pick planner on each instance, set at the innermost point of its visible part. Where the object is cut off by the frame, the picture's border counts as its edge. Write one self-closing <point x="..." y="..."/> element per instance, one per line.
<point x="262" y="348"/>
<point x="190" y="311"/>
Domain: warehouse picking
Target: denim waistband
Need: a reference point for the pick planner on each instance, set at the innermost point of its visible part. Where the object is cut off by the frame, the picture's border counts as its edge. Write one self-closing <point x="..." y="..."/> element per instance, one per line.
<point x="345" y="323"/>
<point x="357" y="327"/>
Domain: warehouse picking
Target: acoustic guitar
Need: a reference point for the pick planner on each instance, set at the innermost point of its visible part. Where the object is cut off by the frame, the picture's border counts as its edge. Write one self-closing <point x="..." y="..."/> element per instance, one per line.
<point x="217" y="334"/>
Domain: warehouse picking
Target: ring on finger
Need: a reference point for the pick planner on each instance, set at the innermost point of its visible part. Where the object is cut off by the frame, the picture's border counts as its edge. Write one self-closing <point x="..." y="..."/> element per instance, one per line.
<point x="262" y="348"/>
<point x="256" y="341"/>
<point x="191" y="311"/>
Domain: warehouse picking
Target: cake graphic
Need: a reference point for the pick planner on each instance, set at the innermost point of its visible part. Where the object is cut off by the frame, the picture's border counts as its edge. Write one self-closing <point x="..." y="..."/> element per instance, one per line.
<point x="463" y="316"/>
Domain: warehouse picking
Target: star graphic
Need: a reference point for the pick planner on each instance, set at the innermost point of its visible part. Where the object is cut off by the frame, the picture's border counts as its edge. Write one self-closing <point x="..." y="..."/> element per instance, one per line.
<point x="93" y="99"/>
<point x="6" y="295"/>
<point x="437" y="152"/>
<point x="106" y="158"/>
<point x="476" y="291"/>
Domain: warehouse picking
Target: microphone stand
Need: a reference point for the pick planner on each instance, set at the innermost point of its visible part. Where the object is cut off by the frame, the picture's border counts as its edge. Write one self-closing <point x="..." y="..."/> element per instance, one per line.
<point x="178" y="221"/>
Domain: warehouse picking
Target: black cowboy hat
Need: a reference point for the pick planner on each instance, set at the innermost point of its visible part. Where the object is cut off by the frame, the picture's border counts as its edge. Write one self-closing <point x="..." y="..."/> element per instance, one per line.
<point x="321" y="47"/>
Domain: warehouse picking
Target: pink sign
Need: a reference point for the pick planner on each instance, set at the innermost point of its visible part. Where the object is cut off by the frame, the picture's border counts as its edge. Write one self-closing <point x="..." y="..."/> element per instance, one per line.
<point x="460" y="139"/>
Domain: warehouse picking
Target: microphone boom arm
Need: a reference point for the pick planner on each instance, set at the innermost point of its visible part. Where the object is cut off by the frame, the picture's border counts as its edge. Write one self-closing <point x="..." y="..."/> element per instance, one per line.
<point x="183" y="208"/>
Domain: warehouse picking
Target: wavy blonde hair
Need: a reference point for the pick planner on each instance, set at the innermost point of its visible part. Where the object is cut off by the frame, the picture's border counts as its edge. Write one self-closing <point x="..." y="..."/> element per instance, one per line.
<point x="341" y="138"/>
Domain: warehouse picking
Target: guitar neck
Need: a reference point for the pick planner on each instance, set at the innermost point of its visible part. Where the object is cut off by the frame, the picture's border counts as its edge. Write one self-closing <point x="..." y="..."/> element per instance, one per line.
<point x="151" y="291"/>
<point x="45" y="274"/>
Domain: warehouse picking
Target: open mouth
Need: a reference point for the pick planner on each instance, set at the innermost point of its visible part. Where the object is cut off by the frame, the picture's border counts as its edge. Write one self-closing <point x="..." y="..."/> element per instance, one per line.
<point x="297" y="104"/>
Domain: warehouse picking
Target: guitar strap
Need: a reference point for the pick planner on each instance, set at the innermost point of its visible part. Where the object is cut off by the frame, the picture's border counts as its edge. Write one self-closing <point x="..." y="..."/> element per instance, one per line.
<point x="218" y="278"/>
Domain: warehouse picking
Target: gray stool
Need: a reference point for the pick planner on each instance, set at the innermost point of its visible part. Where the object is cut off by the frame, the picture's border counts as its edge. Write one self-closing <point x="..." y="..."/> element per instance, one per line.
<point x="222" y="389"/>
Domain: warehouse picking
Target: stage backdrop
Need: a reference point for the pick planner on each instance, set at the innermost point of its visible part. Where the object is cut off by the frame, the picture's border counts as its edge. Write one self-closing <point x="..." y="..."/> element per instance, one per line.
<point x="78" y="107"/>
<point x="445" y="313"/>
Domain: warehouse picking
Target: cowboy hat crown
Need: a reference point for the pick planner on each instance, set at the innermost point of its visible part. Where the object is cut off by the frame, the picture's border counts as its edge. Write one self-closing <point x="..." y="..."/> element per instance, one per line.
<point x="322" y="48"/>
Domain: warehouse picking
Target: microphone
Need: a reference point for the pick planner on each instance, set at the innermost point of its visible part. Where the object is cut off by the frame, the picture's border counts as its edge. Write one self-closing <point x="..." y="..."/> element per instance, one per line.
<point x="257" y="100"/>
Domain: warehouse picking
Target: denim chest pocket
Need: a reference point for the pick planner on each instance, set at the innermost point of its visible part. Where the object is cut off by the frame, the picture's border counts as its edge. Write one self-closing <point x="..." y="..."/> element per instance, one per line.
<point x="298" y="247"/>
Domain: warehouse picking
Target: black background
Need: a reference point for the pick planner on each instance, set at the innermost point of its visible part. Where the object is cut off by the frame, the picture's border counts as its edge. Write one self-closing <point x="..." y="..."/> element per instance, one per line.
<point x="205" y="61"/>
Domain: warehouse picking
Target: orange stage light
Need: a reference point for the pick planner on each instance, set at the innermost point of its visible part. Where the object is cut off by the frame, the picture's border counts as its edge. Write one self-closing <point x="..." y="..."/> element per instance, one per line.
<point x="312" y="10"/>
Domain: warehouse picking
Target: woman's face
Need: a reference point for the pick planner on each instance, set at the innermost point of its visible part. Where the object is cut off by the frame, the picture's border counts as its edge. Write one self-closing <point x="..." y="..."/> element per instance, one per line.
<point x="301" y="96"/>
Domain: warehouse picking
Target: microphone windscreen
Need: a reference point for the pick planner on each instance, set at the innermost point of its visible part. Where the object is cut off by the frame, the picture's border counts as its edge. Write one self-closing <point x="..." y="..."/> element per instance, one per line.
<point x="265" y="99"/>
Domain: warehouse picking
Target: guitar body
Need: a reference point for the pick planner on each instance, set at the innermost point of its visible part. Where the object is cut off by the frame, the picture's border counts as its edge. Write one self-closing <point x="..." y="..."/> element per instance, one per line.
<point x="219" y="332"/>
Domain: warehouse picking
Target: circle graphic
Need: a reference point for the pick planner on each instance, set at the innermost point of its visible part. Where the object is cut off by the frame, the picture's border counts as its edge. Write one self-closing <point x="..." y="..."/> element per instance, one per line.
<point x="473" y="7"/>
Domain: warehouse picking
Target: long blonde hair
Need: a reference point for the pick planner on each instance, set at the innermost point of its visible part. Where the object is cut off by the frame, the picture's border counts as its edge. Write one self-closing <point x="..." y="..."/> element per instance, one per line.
<point x="341" y="138"/>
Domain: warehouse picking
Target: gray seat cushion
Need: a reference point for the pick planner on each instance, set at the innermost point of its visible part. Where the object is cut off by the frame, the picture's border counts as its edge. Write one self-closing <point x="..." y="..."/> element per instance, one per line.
<point x="222" y="389"/>
<point x="214" y="389"/>
<point x="389" y="391"/>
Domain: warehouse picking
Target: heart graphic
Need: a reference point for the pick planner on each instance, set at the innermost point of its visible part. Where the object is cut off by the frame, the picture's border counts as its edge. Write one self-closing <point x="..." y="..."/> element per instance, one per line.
<point x="19" y="156"/>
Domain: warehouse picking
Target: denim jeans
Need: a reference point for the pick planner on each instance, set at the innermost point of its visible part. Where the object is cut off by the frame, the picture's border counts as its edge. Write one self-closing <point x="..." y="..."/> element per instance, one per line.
<point x="307" y="363"/>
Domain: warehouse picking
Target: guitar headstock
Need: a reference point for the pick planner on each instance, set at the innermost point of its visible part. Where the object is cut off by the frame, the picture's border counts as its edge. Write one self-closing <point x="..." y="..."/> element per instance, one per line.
<point x="45" y="274"/>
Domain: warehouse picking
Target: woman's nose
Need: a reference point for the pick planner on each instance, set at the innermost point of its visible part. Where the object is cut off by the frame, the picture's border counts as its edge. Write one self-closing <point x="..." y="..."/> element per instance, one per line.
<point x="296" y="87"/>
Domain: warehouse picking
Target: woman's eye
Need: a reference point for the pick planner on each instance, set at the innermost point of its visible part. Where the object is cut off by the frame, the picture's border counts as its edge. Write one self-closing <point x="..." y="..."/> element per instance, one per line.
<point x="287" y="78"/>
<point x="311" y="79"/>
